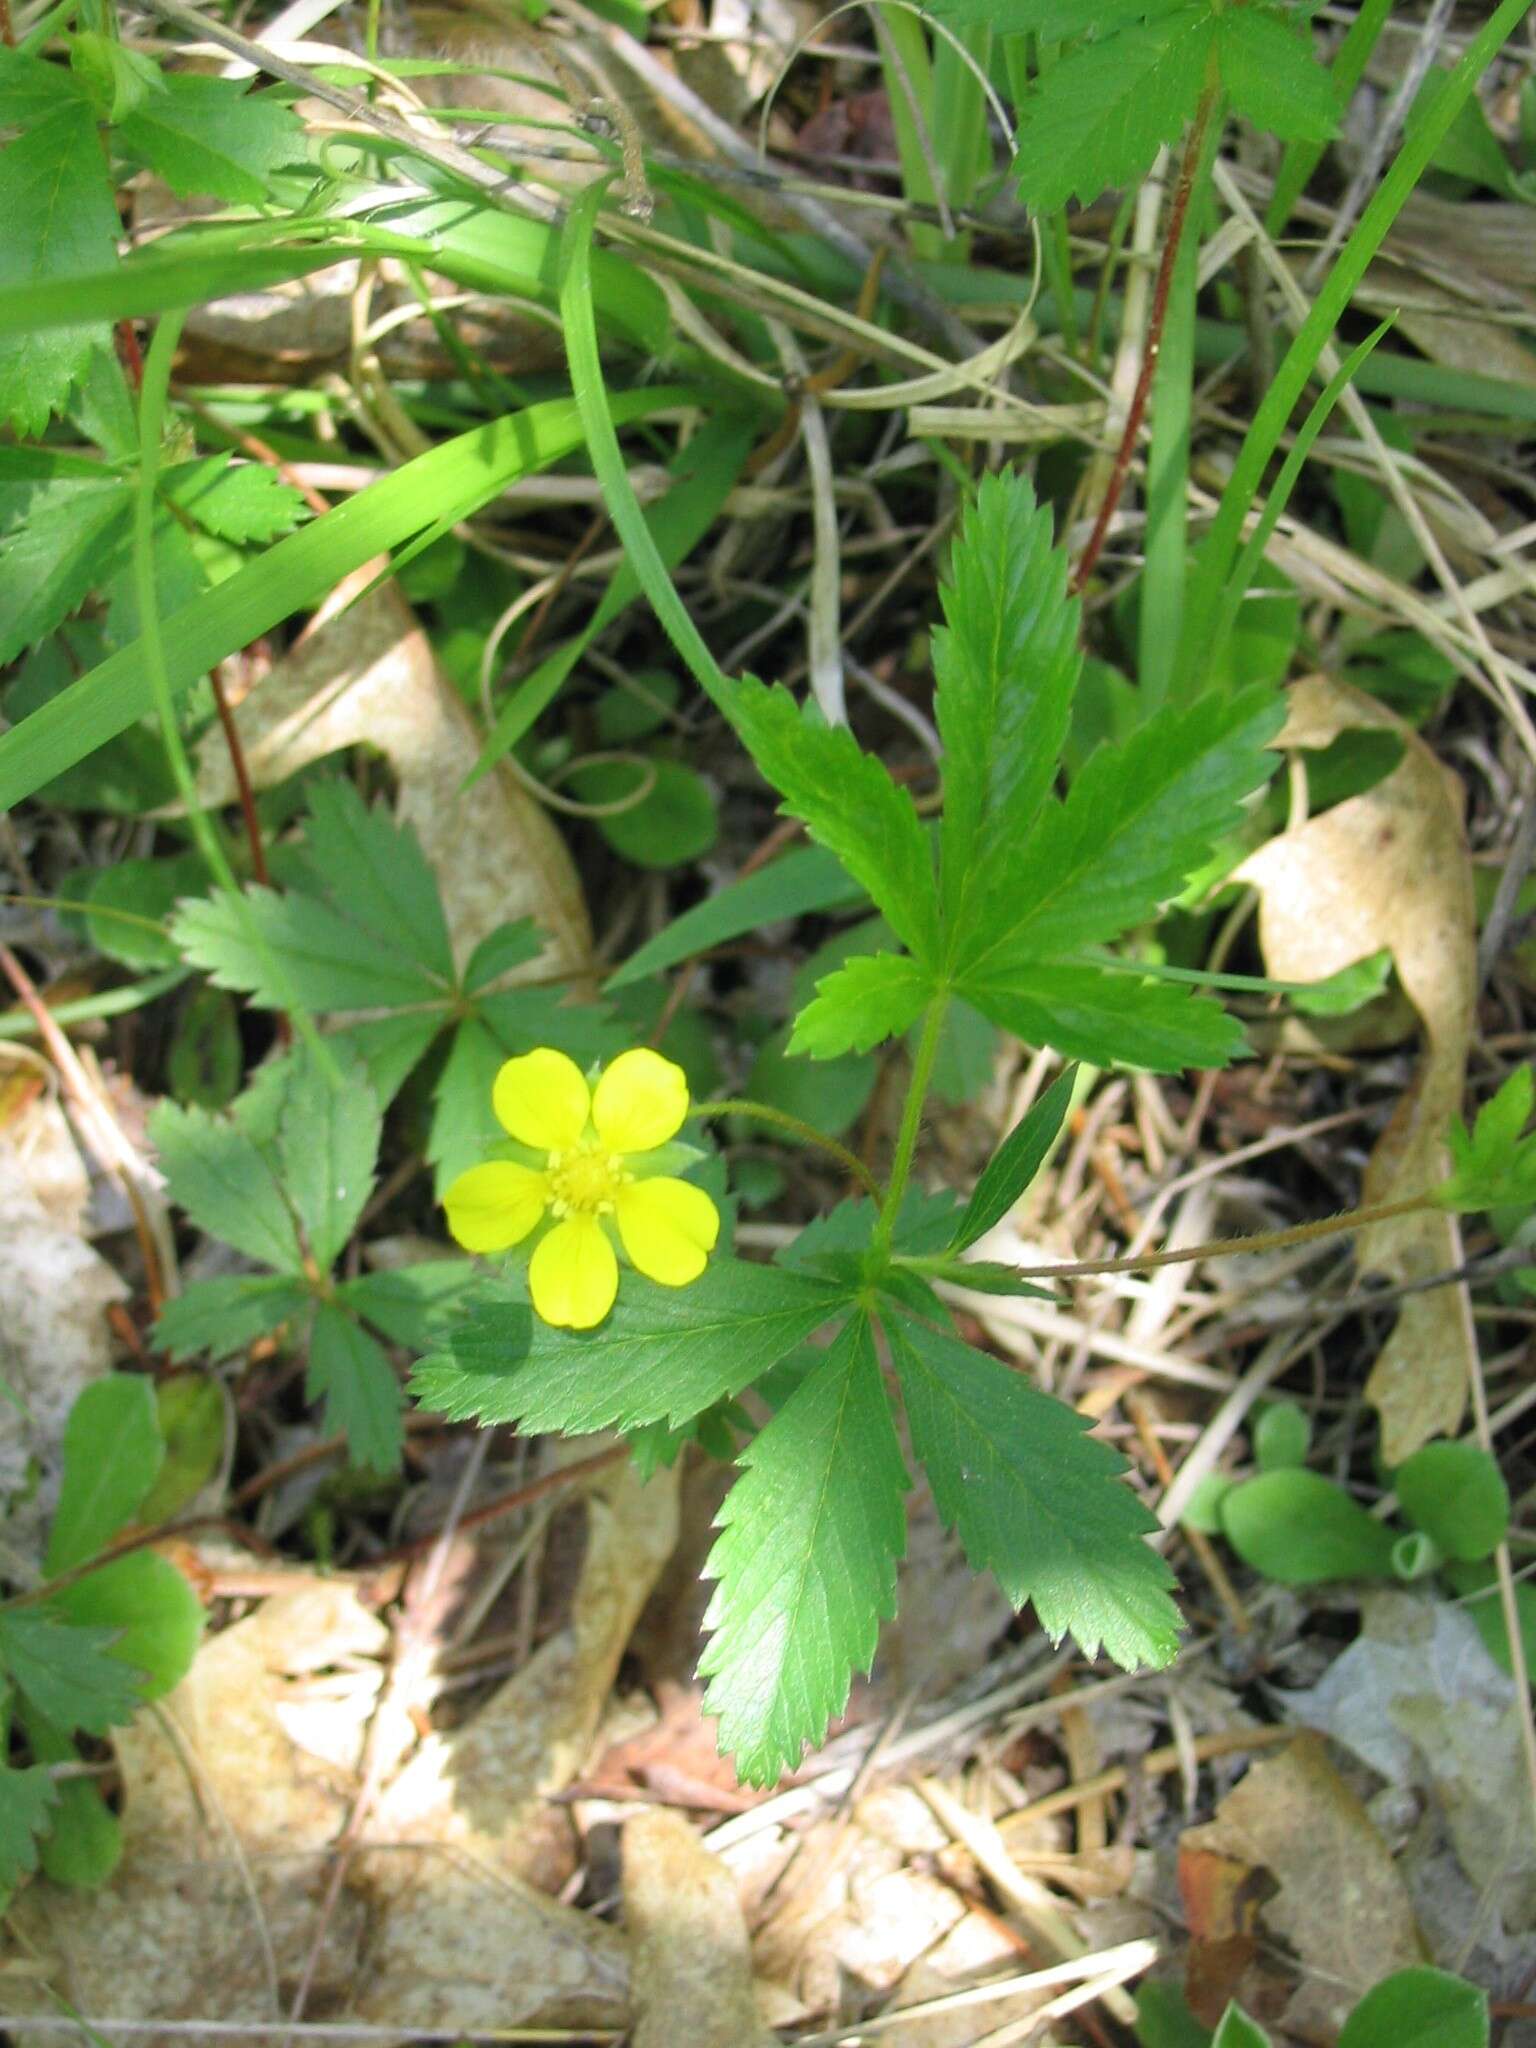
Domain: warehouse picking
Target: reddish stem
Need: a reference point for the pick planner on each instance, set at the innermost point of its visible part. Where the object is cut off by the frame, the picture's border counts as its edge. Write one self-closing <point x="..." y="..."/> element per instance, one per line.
<point x="1175" y="235"/>
<point x="242" y="778"/>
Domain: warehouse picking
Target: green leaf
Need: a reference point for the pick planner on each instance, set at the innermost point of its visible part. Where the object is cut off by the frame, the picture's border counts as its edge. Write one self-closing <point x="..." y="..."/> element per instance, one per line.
<point x="209" y="135"/>
<point x="806" y="1561"/>
<point x="1051" y="18"/>
<point x="1238" y="2031"/>
<point x="834" y="1243"/>
<point x="828" y="1094"/>
<point x="1272" y="76"/>
<point x="1006" y="665"/>
<point x="1138" y="822"/>
<point x="1300" y="1529"/>
<point x="406" y="1303"/>
<point x="1110" y="1018"/>
<point x="1456" y="1494"/>
<point x="1419" y="2009"/>
<point x="1163" y="2020"/>
<point x="663" y="1354"/>
<point x="216" y="1317"/>
<point x="194" y="1415"/>
<point x="68" y="1674"/>
<point x="1036" y="1500"/>
<point x="1016" y="1161"/>
<point x="69" y="537"/>
<point x="362" y="1395"/>
<point x="806" y="880"/>
<point x="27" y="1800"/>
<point x="1281" y="1437"/>
<point x="238" y="502"/>
<point x="226" y="1184"/>
<point x="326" y="961"/>
<point x="85" y="1844"/>
<point x="674" y="822"/>
<point x="31" y="90"/>
<point x="327" y="1143"/>
<point x="59" y="219"/>
<point x="151" y="1603"/>
<point x="848" y="802"/>
<point x="1099" y="117"/>
<point x="112" y="1453"/>
<point x="376" y="874"/>
<point x="509" y="946"/>
<point x="1495" y="1166"/>
<point x="874" y="997"/>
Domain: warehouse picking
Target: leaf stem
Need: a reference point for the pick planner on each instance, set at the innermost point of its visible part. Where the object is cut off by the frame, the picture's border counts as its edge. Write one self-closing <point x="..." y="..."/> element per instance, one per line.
<point x="1225" y="1247"/>
<point x="911" y="1123"/>
<point x="1178" y="213"/>
<point x="738" y="1105"/>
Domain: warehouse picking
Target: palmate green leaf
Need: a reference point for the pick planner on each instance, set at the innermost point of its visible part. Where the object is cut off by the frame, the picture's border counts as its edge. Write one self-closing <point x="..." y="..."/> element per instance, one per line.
<point x="375" y="873"/>
<point x="68" y="1674"/>
<point x="59" y="218"/>
<point x="1006" y="665"/>
<point x="1036" y="1500"/>
<point x="875" y="996"/>
<point x="1057" y="19"/>
<point x="1108" y="1018"/>
<point x="238" y="502"/>
<point x="67" y="533"/>
<point x="1099" y="117"/>
<point x="1272" y="77"/>
<point x="362" y="1395"/>
<point x="407" y="1304"/>
<point x="212" y="136"/>
<point x="327" y="1141"/>
<point x="848" y="802"/>
<point x="215" y="1318"/>
<point x="31" y="90"/>
<point x="225" y="1182"/>
<point x="112" y="1453"/>
<point x="1016" y="1161"/>
<point x="663" y="1354"/>
<point x="27" y="1800"/>
<point x="327" y="962"/>
<point x="1138" y="821"/>
<point x="806" y="1561"/>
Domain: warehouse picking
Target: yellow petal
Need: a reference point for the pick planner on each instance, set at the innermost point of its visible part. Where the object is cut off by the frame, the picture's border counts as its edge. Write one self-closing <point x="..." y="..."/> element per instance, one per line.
<point x="542" y="1100"/>
<point x="493" y="1206"/>
<point x="573" y="1274"/>
<point x="668" y="1227"/>
<point x="641" y="1101"/>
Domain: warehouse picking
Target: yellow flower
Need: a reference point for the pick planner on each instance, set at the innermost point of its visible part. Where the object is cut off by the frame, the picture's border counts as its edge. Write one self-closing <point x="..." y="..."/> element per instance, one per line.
<point x="594" y="1140"/>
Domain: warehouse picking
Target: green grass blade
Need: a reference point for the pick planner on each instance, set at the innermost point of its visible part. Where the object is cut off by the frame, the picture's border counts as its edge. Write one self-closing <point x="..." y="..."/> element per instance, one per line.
<point x="466" y="472"/>
<point x="1301" y="159"/>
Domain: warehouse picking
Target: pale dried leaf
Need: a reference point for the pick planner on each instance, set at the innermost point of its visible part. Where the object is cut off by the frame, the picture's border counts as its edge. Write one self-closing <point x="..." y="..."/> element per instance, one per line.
<point x="1390" y="868"/>
<point x="691" y="1961"/>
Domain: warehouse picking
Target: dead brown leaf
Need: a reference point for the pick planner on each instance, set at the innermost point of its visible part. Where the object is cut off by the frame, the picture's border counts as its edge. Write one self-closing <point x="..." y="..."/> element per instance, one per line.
<point x="1339" y="1903"/>
<point x="364" y="675"/>
<point x="691" y="1959"/>
<point x="1390" y="868"/>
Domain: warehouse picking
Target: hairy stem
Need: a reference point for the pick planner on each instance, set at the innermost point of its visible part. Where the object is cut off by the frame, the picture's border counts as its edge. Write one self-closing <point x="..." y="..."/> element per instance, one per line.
<point x="735" y="1105"/>
<point x="911" y="1123"/>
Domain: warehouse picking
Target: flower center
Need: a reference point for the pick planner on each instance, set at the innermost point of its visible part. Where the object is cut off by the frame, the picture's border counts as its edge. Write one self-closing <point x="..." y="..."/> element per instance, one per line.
<point x="585" y="1180"/>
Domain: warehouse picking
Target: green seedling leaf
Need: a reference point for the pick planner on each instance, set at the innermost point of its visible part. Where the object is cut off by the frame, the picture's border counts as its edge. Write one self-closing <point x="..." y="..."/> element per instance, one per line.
<point x="226" y="1183"/>
<point x="1419" y="2009"/>
<point x="85" y="1844"/>
<point x="674" y="822"/>
<point x="28" y="1800"/>
<point x="1494" y="1167"/>
<point x="158" y="1614"/>
<point x="1204" y="1510"/>
<point x="66" y="1673"/>
<point x="1016" y="1161"/>
<point x="809" y="879"/>
<point x="362" y="1396"/>
<point x="1477" y="1588"/>
<point x="1035" y="1499"/>
<point x="1301" y="1530"/>
<point x="210" y="135"/>
<point x="193" y="1412"/>
<point x="847" y="802"/>
<point x="215" y="1318"/>
<point x="1006" y="665"/>
<point x="1282" y="1437"/>
<point x="112" y="1454"/>
<point x="872" y="998"/>
<point x="1100" y="116"/>
<point x="663" y="1354"/>
<point x="806" y="1562"/>
<point x="56" y="202"/>
<point x="1456" y="1494"/>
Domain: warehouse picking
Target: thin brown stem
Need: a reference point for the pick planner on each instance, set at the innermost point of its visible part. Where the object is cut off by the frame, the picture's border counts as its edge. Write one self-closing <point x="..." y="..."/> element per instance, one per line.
<point x="1177" y="215"/>
<point x="242" y="777"/>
